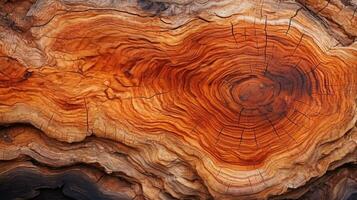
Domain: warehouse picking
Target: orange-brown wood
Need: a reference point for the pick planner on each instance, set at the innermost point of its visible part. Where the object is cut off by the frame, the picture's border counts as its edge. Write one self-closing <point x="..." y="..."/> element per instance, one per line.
<point x="257" y="98"/>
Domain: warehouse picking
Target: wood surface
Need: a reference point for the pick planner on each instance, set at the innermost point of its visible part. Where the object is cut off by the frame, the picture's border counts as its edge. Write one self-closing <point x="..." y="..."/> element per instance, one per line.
<point x="181" y="99"/>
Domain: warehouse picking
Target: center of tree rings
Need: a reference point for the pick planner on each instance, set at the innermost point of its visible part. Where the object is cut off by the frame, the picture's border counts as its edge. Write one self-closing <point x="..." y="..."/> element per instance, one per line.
<point x="253" y="92"/>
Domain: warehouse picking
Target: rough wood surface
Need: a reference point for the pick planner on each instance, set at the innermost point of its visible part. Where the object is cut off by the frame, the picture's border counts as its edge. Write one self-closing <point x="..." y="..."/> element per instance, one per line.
<point x="338" y="184"/>
<point x="182" y="99"/>
<point x="27" y="181"/>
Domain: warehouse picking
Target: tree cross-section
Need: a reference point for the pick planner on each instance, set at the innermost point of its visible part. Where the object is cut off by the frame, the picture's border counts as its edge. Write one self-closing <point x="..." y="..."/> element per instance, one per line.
<point x="217" y="99"/>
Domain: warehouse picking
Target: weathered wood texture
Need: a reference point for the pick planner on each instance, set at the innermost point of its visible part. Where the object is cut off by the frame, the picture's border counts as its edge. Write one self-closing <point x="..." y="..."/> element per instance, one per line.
<point x="181" y="99"/>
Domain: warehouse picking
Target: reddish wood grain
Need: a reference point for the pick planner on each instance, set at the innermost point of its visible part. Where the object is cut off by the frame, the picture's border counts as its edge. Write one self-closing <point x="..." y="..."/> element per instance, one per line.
<point x="256" y="100"/>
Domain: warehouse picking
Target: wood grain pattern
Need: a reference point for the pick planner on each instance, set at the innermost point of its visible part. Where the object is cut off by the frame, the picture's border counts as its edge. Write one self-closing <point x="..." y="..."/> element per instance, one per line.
<point x="252" y="98"/>
<point x="27" y="181"/>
